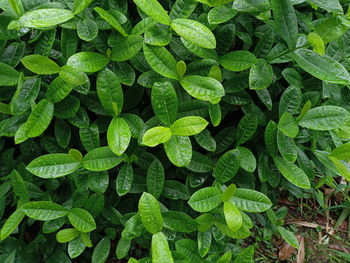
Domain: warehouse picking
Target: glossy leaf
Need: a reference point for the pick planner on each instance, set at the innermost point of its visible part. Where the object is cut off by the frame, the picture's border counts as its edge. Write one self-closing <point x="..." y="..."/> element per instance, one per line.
<point x="149" y="211"/>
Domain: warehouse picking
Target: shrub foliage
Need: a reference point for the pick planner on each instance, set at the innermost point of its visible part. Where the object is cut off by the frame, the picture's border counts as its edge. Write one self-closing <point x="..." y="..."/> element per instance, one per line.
<point x="155" y="131"/>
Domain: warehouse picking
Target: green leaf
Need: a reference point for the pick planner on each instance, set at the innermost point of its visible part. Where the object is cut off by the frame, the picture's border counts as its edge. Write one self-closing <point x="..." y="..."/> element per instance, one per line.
<point x="67" y="235"/>
<point x="81" y="220"/>
<point x="19" y="187"/>
<point x="175" y="190"/>
<point x="126" y="48"/>
<point x="342" y="152"/>
<point x="260" y="75"/>
<point x="149" y="211"/>
<point x="322" y="67"/>
<point x="317" y="43"/>
<point x="101" y="251"/>
<point x="154" y="10"/>
<point x="188" y="248"/>
<point x="179" y="222"/>
<point x="194" y="32"/>
<point x="200" y="52"/>
<point x="182" y="8"/>
<point x="287" y="147"/>
<point x="288" y="236"/>
<point x="250" y="200"/>
<point x="110" y="91"/>
<point x="111" y="20"/>
<point x="164" y="102"/>
<point x="44" y="210"/>
<point x="292" y="173"/>
<point x="247" y="127"/>
<point x="160" y="249"/>
<point x="245" y="256"/>
<point x="161" y="61"/>
<point x="118" y="136"/>
<point x="42" y="18"/>
<point x="325" y="118"/>
<point x="204" y="242"/>
<point x="233" y="216"/>
<point x="179" y="150"/>
<point x="290" y="100"/>
<point x="247" y="159"/>
<point x="238" y="60"/>
<point x="221" y="14"/>
<point x="155" y="178"/>
<point x="188" y="126"/>
<point x="40" y="65"/>
<point x="58" y="90"/>
<point x="76" y="247"/>
<point x="203" y="88"/>
<point x="87" y="29"/>
<point x="288" y="125"/>
<point x="8" y="75"/>
<point x="39" y="119"/>
<point x="124" y="179"/>
<point x="80" y="5"/>
<point x="101" y="159"/>
<point x="73" y="76"/>
<point x="285" y="21"/>
<point x="11" y="223"/>
<point x="205" y="199"/>
<point x="227" y="166"/>
<point x="329" y="5"/>
<point x="88" y="62"/>
<point x="156" y="135"/>
<point x="53" y="165"/>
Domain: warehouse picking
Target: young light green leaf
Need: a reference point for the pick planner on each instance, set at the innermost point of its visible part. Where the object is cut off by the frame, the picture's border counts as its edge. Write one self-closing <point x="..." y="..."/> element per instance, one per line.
<point x="292" y="173"/>
<point x="160" y="249"/>
<point x="325" y="118"/>
<point x="164" y="102"/>
<point x="203" y="88"/>
<point x="81" y="220"/>
<point x="58" y="90"/>
<point x="40" y="65"/>
<point x="73" y="76"/>
<point x="156" y="135"/>
<point x="44" y="210"/>
<point x="188" y="126"/>
<point x="101" y="159"/>
<point x="118" y="136"/>
<point x="88" y="62"/>
<point x="161" y="61"/>
<point x="53" y="165"/>
<point x="233" y="216"/>
<point x="342" y="152"/>
<point x="149" y="211"/>
<point x="39" y="119"/>
<point x="194" y="32"/>
<point x="245" y="256"/>
<point x="67" y="235"/>
<point x="179" y="150"/>
<point x="154" y="10"/>
<point x="205" y="199"/>
<point x="238" y="60"/>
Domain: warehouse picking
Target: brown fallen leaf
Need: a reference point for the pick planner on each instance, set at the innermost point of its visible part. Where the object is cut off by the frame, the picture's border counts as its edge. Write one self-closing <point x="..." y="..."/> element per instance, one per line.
<point x="286" y="252"/>
<point x="301" y="250"/>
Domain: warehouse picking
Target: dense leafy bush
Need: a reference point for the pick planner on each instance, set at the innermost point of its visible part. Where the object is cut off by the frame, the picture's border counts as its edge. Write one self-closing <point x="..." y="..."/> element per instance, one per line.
<point x="159" y="130"/>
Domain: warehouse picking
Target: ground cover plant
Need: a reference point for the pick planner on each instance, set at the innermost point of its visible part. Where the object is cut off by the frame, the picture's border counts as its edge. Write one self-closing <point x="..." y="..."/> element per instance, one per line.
<point x="169" y="130"/>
